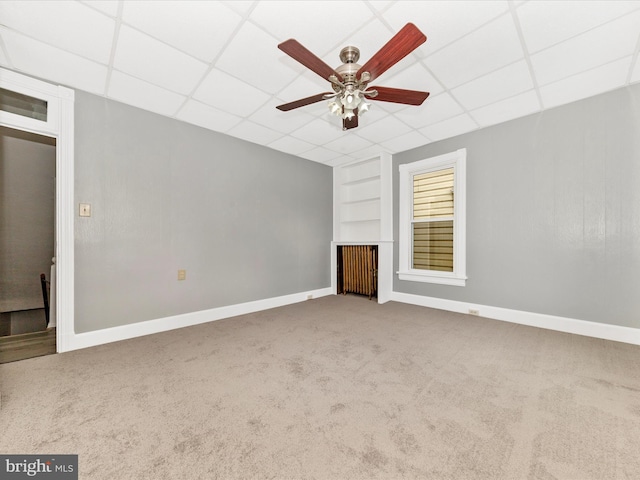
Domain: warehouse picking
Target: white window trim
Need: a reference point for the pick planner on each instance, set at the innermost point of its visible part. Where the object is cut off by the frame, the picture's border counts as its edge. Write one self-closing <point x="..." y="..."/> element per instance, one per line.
<point x="457" y="160"/>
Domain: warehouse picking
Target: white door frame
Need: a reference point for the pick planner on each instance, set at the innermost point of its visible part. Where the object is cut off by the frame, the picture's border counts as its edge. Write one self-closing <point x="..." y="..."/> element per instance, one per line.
<point x="60" y="125"/>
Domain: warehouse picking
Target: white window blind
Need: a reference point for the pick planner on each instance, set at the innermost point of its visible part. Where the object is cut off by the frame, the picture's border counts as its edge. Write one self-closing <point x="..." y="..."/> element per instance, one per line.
<point x="433" y="213"/>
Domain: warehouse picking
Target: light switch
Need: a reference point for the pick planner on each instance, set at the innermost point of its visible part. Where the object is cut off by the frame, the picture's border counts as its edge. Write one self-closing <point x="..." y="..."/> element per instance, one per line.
<point x="85" y="210"/>
<point x="182" y="274"/>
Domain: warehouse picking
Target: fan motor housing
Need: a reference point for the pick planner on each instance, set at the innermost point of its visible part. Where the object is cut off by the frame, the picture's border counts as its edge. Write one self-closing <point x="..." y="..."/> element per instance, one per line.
<point x="349" y="68"/>
<point x="349" y="56"/>
<point x="348" y="71"/>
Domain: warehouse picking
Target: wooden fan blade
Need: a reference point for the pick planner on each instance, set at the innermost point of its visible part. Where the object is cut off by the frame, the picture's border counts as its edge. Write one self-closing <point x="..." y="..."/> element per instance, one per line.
<point x="398" y="95"/>
<point x="302" y="102"/>
<point x="348" y="123"/>
<point x="402" y="44"/>
<point x="298" y="52"/>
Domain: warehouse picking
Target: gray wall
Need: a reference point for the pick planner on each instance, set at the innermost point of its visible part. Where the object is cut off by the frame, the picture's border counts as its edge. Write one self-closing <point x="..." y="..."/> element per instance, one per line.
<point x="27" y="204"/>
<point x="245" y="222"/>
<point x="553" y="211"/>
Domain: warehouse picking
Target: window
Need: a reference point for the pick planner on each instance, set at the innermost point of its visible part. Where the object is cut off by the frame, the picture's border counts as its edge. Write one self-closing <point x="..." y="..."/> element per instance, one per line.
<point x="432" y="220"/>
<point x="25" y="105"/>
<point x="29" y="104"/>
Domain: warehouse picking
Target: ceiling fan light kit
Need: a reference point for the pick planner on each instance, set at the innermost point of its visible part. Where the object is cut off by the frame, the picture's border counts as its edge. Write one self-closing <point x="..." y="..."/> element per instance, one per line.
<point x="350" y="94"/>
<point x="350" y="81"/>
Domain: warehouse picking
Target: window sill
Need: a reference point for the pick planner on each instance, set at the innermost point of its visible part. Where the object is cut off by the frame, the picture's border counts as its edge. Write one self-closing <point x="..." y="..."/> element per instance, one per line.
<point x="446" y="279"/>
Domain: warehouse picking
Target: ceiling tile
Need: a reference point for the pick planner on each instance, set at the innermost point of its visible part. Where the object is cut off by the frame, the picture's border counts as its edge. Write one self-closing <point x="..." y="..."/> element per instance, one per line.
<point x="320" y="154"/>
<point x="374" y="115"/>
<point x="291" y="145"/>
<point x="207" y="117"/>
<point x="254" y="133"/>
<point x="586" y="84"/>
<point x="241" y="6"/>
<point x="252" y="55"/>
<point x="344" y="160"/>
<point x="335" y="22"/>
<point x="296" y="71"/>
<point x="378" y="111"/>
<point x="229" y="94"/>
<point x="381" y="5"/>
<point x="4" y="61"/>
<point x="368" y="39"/>
<point x="141" y="56"/>
<point x="601" y="45"/>
<point x="318" y="132"/>
<point x="443" y="22"/>
<point x="433" y="110"/>
<point x="415" y="77"/>
<point x="139" y="93"/>
<point x="404" y="142"/>
<point x="635" y="74"/>
<point x="545" y="23"/>
<point x="348" y="143"/>
<point x="382" y="130"/>
<point x="303" y="86"/>
<point x="370" y="151"/>
<point x="198" y="28"/>
<point x="66" y="25"/>
<point x="502" y="83"/>
<point x="284" y="122"/>
<point x="507" y="109"/>
<point x="50" y="63"/>
<point x="450" y="128"/>
<point x="105" y="6"/>
<point x="389" y="108"/>
<point x="489" y="48"/>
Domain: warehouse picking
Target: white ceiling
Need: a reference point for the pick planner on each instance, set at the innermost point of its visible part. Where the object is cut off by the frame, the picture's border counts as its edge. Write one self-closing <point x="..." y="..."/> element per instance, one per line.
<point x="216" y="63"/>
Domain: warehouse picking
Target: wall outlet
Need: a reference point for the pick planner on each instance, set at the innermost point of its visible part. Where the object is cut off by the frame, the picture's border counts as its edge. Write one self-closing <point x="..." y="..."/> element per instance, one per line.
<point x="309" y="297"/>
<point x="85" y="210"/>
<point x="473" y="311"/>
<point x="182" y="274"/>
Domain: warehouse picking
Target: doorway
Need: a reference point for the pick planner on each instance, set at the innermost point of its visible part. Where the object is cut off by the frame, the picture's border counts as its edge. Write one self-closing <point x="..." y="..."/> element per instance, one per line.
<point x="27" y="243"/>
<point x="31" y="105"/>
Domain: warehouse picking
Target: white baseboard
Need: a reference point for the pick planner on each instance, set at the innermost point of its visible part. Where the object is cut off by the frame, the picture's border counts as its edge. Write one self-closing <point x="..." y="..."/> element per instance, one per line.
<point x="77" y="341"/>
<point x="540" y="320"/>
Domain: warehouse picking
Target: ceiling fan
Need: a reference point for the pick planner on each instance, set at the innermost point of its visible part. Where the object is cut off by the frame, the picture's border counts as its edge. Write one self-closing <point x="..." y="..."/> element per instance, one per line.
<point x="350" y="81"/>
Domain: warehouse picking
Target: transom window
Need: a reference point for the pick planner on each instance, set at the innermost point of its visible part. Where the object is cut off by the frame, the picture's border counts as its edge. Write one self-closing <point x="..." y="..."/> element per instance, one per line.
<point x="25" y="105"/>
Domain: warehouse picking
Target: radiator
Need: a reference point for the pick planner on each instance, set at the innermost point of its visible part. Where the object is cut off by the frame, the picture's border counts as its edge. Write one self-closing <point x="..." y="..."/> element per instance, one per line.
<point x="358" y="269"/>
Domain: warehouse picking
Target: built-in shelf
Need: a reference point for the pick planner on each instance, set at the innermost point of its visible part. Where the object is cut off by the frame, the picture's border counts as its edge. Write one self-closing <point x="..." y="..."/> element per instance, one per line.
<point x="362" y="196"/>
<point x="345" y="222"/>
<point x="361" y="180"/>
<point x="362" y="214"/>
<point x="363" y="200"/>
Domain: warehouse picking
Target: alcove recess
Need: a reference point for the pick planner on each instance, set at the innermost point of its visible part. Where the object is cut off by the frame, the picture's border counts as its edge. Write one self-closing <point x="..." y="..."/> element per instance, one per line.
<point x="362" y="214"/>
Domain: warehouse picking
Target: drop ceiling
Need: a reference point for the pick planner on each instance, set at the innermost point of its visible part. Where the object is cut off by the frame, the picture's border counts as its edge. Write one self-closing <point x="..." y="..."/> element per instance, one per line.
<point x="216" y="64"/>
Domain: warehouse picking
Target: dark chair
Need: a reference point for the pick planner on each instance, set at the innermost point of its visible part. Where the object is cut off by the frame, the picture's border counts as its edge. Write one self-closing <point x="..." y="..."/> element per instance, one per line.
<point x="45" y="296"/>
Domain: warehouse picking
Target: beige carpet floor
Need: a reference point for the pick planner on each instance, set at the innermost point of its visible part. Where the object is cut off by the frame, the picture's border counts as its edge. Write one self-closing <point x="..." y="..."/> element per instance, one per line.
<point x="334" y="388"/>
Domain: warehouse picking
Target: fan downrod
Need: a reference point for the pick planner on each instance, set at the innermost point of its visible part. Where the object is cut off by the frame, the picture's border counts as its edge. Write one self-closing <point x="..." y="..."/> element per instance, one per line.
<point x="349" y="55"/>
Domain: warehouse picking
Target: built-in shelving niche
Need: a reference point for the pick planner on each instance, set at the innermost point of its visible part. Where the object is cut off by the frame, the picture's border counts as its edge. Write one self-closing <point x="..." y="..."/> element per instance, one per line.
<point x="362" y="213"/>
